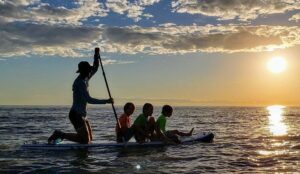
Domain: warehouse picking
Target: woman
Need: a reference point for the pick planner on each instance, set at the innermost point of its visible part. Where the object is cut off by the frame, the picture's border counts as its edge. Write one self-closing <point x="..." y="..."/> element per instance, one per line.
<point x="81" y="97"/>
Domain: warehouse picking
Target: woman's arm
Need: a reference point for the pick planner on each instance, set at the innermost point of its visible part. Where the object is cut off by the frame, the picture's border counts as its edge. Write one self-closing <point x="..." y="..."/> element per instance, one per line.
<point x="86" y="95"/>
<point x="95" y="63"/>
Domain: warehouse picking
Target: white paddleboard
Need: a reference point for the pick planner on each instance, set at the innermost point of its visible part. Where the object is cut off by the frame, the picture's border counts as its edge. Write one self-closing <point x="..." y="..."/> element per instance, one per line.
<point x="201" y="137"/>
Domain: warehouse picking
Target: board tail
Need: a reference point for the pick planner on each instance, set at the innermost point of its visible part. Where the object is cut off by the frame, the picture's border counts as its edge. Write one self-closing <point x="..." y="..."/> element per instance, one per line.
<point x="209" y="138"/>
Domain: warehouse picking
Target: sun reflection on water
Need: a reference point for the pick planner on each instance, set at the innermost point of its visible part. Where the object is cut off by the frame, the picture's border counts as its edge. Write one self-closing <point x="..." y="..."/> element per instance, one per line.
<point x="276" y="125"/>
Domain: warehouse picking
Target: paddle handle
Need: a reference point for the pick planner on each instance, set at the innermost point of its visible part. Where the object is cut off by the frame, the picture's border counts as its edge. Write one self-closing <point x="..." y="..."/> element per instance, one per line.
<point x="97" y="51"/>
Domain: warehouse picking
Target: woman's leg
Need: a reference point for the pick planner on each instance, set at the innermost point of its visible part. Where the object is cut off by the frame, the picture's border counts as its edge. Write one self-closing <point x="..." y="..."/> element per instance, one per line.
<point x="55" y="135"/>
<point x="89" y="130"/>
<point x="81" y="127"/>
<point x="82" y="135"/>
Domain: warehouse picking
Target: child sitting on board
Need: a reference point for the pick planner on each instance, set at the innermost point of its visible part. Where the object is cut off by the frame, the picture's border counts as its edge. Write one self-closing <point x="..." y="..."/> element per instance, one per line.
<point x="142" y="126"/>
<point x="125" y="132"/>
<point x="160" y="127"/>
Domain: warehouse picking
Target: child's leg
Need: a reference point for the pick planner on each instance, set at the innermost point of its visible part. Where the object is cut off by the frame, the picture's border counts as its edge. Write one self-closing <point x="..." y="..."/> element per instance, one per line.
<point x="125" y="136"/>
<point x="172" y="135"/>
<point x="119" y="136"/>
<point x="182" y="133"/>
<point x="139" y="134"/>
<point x="129" y="134"/>
<point x="140" y="138"/>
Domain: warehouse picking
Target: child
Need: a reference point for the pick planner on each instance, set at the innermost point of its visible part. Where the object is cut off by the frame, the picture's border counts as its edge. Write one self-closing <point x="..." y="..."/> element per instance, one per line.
<point x="141" y="125"/>
<point x="124" y="133"/>
<point x="160" y="126"/>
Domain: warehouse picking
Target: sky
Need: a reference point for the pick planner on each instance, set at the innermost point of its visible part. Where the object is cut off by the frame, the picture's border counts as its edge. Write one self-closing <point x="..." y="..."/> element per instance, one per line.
<point x="179" y="52"/>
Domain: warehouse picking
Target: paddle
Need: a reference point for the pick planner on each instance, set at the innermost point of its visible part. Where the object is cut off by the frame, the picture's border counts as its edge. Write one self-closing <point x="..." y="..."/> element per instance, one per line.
<point x="97" y="51"/>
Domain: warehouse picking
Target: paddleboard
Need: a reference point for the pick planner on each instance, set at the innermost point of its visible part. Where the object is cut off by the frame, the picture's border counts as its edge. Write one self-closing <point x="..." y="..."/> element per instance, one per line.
<point x="200" y="137"/>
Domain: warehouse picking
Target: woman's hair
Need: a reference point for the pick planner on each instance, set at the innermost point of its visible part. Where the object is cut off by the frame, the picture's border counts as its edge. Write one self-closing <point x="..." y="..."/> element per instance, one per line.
<point x="166" y="109"/>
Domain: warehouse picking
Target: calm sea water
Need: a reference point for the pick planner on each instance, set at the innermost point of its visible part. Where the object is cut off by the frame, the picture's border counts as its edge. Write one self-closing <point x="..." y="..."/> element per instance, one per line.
<point x="248" y="140"/>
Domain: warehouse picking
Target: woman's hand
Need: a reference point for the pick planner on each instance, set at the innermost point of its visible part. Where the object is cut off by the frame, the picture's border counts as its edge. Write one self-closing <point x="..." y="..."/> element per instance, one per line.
<point x="111" y="100"/>
<point x="97" y="51"/>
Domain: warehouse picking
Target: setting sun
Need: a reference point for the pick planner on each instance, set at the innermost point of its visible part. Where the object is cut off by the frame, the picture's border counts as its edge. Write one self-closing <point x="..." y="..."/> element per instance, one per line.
<point x="277" y="64"/>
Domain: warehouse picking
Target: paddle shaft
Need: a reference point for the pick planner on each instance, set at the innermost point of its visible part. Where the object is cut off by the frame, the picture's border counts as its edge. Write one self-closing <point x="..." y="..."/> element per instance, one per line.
<point x="107" y="87"/>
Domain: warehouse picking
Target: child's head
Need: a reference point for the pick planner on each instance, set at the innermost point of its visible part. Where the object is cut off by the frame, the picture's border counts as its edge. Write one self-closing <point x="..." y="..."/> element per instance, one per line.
<point x="147" y="109"/>
<point x="129" y="108"/>
<point x="167" y="110"/>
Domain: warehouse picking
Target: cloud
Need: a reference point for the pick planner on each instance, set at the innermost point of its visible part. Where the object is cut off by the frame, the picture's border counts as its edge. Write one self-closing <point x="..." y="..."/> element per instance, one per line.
<point x="295" y="18"/>
<point x="35" y="11"/>
<point x="147" y="2"/>
<point x="74" y="13"/>
<point x="171" y="39"/>
<point x="75" y="41"/>
<point x="113" y="61"/>
<point x="133" y="10"/>
<point x="24" y="39"/>
<point x="22" y="2"/>
<point x="230" y="9"/>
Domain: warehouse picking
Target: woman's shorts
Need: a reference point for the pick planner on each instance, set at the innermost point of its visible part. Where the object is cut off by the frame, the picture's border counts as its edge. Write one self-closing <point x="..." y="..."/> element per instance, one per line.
<point x="76" y="119"/>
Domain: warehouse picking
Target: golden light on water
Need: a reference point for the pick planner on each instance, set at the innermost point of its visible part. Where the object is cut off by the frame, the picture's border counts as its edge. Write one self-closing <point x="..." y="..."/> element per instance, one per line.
<point x="277" y="65"/>
<point x="276" y="125"/>
<point x="268" y="152"/>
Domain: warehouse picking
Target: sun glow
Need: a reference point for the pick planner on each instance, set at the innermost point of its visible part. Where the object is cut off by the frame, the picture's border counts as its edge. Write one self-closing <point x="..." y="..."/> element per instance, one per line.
<point x="276" y="125"/>
<point x="277" y="65"/>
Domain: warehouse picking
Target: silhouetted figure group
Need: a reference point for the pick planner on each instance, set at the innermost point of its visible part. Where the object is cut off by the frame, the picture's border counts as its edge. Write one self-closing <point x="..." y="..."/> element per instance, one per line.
<point x="143" y="129"/>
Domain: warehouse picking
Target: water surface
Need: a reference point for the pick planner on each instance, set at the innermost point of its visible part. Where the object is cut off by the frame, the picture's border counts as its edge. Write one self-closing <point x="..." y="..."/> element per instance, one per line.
<point x="248" y="139"/>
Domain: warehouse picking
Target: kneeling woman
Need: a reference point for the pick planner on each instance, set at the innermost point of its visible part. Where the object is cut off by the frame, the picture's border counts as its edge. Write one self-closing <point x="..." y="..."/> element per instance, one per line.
<point x="78" y="111"/>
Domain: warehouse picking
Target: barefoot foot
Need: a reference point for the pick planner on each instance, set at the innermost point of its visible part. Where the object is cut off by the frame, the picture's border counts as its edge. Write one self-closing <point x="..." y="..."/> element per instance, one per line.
<point x="191" y="132"/>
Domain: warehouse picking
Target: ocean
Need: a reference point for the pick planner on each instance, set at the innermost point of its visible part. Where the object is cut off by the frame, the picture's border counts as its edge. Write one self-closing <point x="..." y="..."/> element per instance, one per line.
<point x="247" y="140"/>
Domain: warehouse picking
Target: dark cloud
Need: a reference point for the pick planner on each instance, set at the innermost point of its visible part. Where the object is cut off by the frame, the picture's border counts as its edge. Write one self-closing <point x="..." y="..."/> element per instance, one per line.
<point x="20" y="39"/>
<point x="230" y="9"/>
<point x="10" y="11"/>
<point x="176" y="39"/>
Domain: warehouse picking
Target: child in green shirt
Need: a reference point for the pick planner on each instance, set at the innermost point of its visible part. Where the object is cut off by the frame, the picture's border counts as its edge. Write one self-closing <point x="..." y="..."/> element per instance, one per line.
<point x="142" y="124"/>
<point x="160" y="126"/>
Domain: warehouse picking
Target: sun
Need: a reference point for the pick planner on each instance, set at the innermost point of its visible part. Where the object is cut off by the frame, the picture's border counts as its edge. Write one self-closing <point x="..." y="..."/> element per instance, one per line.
<point x="277" y="65"/>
